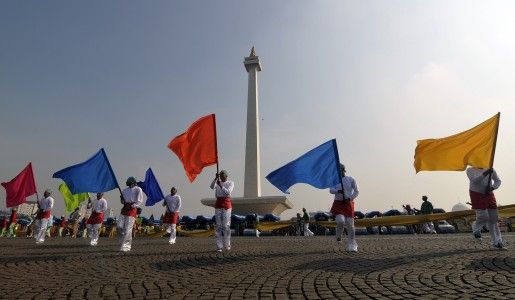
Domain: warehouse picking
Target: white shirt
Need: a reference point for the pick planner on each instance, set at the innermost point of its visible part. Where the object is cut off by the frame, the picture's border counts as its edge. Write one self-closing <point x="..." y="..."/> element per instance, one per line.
<point x="350" y="189"/>
<point x="133" y="195"/>
<point x="479" y="182"/>
<point x="173" y="203"/>
<point x="225" y="190"/>
<point x="46" y="204"/>
<point x="99" y="205"/>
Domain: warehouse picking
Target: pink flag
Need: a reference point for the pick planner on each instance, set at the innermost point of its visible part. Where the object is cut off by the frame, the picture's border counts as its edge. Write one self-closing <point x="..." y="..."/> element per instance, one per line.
<point x="20" y="187"/>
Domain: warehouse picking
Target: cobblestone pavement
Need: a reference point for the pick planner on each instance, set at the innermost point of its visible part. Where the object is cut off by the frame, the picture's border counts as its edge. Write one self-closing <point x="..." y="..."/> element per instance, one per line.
<point x="394" y="267"/>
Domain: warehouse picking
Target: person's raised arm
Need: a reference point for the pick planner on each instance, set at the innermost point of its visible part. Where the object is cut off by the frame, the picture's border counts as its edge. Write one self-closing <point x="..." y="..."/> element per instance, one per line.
<point x="212" y="186"/>
<point x="496" y="180"/>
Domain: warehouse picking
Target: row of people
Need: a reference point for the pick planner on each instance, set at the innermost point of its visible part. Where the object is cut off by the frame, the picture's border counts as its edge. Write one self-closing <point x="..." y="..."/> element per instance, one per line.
<point x="481" y="194"/>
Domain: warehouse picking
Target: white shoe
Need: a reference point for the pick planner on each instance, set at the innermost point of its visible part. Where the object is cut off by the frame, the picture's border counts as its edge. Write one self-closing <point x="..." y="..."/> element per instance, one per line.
<point x="500" y="246"/>
<point x="171" y="242"/>
<point x="228" y="248"/>
<point x="219" y="250"/>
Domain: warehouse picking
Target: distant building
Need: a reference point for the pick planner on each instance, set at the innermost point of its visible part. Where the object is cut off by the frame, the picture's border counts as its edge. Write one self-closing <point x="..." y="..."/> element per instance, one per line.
<point x="28" y="208"/>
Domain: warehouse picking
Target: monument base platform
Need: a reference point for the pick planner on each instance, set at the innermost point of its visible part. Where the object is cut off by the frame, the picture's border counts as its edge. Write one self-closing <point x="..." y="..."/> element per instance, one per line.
<point x="259" y="205"/>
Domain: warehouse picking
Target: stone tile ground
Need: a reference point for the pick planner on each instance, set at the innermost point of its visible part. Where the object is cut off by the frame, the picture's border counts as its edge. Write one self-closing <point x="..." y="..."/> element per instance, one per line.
<point x="389" y="267"/>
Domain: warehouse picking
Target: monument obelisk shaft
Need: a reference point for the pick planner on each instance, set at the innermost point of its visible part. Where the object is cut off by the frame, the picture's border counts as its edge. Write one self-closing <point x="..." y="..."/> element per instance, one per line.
<point x="252" y="202"/>
<point x="252" y="187"/>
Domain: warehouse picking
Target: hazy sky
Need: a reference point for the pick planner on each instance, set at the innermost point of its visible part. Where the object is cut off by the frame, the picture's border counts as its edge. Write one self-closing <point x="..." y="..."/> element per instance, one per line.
<point x="376" y="75"/>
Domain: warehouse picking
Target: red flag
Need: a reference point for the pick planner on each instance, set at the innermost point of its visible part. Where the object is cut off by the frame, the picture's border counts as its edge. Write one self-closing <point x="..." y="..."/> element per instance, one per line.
<point x="196" y="148"/>
<point x="20" y="187"/>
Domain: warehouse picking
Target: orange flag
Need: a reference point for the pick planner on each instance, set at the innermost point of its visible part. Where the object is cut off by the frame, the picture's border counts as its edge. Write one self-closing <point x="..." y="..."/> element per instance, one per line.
<point x="196" y="148"/>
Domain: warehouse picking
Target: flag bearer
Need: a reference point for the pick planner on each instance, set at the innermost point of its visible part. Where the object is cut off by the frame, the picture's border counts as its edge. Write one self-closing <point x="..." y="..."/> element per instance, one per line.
<point x="343" y="209"/>
<point x="132" y="198"/>
<point x="96" y="219"/>
<point x="483" y="201"/>
<point x="173" y="206"/>
<point x="223" y="208"/>
<point x="43" y="215"/>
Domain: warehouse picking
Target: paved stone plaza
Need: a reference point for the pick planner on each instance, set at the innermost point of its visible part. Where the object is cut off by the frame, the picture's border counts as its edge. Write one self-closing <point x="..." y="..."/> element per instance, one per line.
<point x="394" y="267"/>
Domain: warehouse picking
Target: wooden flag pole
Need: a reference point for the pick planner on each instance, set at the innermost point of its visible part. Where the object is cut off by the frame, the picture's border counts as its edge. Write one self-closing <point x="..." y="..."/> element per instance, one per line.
<point x="492" y="156"/>
<point x="216" y="143"/>
<point x="340" y="175"/>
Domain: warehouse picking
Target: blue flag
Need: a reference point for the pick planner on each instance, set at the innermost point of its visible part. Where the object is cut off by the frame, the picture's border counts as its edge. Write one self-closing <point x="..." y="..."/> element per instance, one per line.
<point x="319" y="167"/>
<point x="95" y="175"/>
<point x="151" y="188"/>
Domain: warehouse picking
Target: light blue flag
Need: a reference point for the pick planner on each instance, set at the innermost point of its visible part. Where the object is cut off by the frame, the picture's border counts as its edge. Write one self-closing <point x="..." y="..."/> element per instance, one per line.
<point x="151" y="188"/>
<point x="319" y="167"/>
<point x="92" y="176"/>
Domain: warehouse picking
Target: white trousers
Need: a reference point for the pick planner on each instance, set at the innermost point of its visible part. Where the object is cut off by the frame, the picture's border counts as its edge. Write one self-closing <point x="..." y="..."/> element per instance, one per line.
<point x="40" y="226"/>
<point x="307" y="232"/>
<point x="223" y="228"/>
<point x="347" y="222"/>
<point x="125" y="225"/>
<point x="490" y="219"/>
<point x="93" y="232"/>
<point x="172" y="230"/>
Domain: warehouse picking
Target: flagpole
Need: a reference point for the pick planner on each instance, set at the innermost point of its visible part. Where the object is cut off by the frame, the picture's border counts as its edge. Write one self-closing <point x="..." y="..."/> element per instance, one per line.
<point x="492" y="156"/>
<point x="338" y="165"/>
<point x="34" y="181"/>
<point x="216" y="143"/>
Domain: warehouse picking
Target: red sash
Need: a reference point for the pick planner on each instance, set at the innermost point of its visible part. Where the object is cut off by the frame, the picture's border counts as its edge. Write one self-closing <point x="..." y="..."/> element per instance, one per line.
<point x="43" y="215"/>
<point x="96" y="218"/>
<point x="129" y="211"/>
<point x="341" y="207"/>
<point x="223" y="202"/>
<point x="171" y="218"/>
<point x="482" y="201"/>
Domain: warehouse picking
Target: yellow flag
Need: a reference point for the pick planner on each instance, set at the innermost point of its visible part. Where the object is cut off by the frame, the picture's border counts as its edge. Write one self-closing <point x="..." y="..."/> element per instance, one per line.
<point x="474" y="147"/>
<point x="71" y="201"/>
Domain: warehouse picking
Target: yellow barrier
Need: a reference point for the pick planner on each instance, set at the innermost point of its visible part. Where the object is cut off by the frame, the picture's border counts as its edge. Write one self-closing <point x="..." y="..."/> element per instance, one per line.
<point x="196" y="233"/>
<point x="269" y="226"/>
<point x="504" y="211"/>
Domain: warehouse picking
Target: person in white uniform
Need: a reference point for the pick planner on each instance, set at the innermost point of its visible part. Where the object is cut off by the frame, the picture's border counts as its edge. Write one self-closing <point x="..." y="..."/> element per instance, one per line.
<point x="132" y="198"/>
<point x="484" y="203"/>
<point x="171" y="218"/>
<point x="343" y="209"/>
<point x="96" y="219"/>
<point x="223" y="208"/>
<point x="45" y="205"/>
